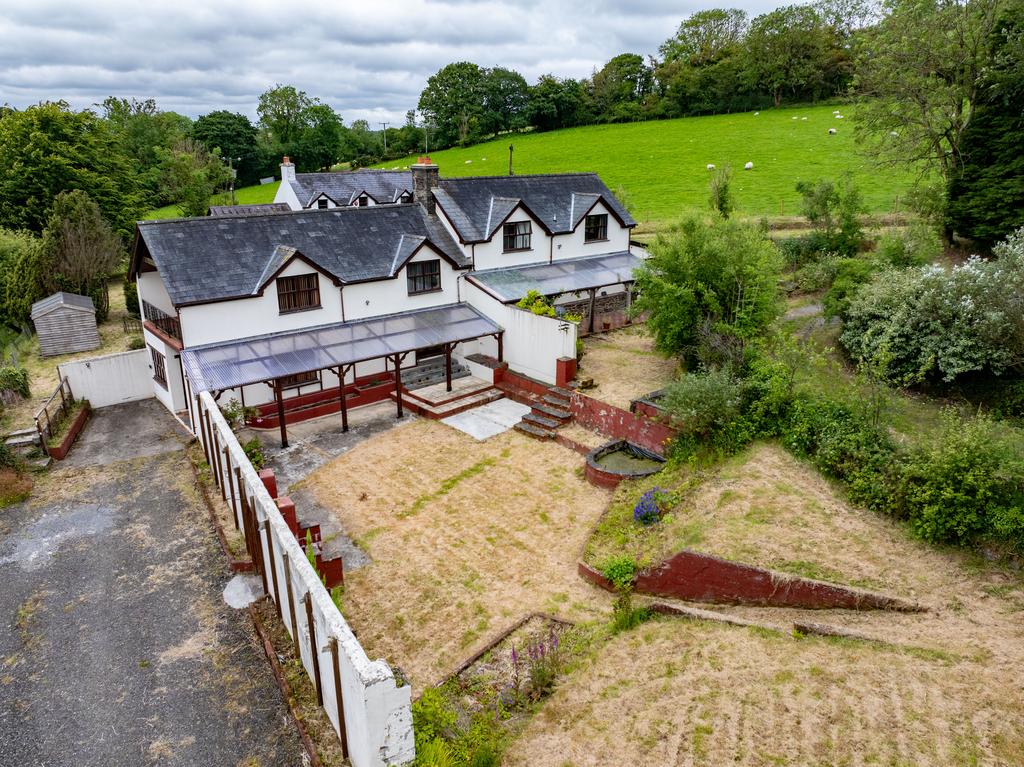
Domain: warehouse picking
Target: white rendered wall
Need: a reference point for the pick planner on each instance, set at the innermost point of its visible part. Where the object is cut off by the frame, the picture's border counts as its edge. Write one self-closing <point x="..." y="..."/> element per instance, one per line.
<point x="286" y="194"/>
<point x="150" y="287"/>
<point x="372" y="299"/>
<point x="110" y="379"/>
<point x="230" y="320"/>
<point x="531" y="344"/>
<point x="173" y="397"/>
<point x="574" y="244"/>
<point x="490" y="254"/>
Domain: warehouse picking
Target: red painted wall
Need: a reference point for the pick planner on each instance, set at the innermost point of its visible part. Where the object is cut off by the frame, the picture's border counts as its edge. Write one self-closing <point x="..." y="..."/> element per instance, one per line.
<point x="599" y="416"/>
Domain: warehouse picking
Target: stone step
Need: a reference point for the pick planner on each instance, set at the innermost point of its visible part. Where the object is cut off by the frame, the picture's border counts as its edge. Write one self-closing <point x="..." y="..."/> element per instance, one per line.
<point x="534" y="431"/>
<point x="561" y="392"/>
<point x="422" y="381"/>
<point x="22" y="432"/>
<point x="559" y="414"/>
<point x="42" y="463"/>
<point x="452" y="407"/>
<point x="541" y="421"/>
<point x="22" y="440"/>
<point x="557" y="401"/>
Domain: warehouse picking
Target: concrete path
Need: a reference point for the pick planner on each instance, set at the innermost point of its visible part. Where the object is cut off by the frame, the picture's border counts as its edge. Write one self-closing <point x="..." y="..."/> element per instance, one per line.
<point x="117" y="647"/>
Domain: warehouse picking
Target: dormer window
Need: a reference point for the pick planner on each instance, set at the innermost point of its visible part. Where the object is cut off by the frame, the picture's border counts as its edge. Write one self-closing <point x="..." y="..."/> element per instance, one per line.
<point x="298" y="293"/>
<point x="321" y="204"/>
<point x="363" y="201"/>
<point x="596" y="228"/>
<point x="517" y="236"/>
<point x="424" y="276"/>
<point x="406" y="197"/>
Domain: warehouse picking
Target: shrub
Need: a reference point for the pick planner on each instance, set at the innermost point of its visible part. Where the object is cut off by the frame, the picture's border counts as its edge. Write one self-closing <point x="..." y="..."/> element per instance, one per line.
<point x="920" y="244"/>
<point x="131" y="298"/>
<point x="136" y="342"/>
<point x="963" y="485"/>
<point x="620" y="570"/>
<point x="10" y="460"/>
<point x="849" y="275"/>
<point x="817" y="274"/>
<point x="833" y="209"/>
<point x="931" y="324"/>
<point x="14" y="378"/>
<point x="534" y="302"/>
<point x="433" y="718"/>
<point x="803" y="250"/>
<point x="254" y="452"/>
<point x="651" y="506"/>
<point x="701" y="403"/>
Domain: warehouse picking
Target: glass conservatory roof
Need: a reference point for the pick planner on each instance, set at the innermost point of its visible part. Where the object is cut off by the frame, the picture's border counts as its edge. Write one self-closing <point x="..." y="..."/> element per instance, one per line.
<point x="567" y="276"/>
<point x="215" y="367"/>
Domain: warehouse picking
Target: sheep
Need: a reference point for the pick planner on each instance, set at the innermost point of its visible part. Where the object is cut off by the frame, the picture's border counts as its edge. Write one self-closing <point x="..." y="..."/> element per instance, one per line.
<point x="468" y="162"/>
<point x="748" y="166"/>
<point x="756" y="114"/>
<point x="803" y="118"/>
<point x="711" y="166"/>
<point x="832" y="131"/>
<point x="839" y="117"/>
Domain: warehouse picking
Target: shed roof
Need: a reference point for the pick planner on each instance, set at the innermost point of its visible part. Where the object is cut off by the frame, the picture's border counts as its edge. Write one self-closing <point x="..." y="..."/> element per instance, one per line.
<point x="215" y="367"/>
<point x="564" y="276"/>
<point x="61" y="299"/>
<point x="478" y="205"/>
<point x="212" y="258"/>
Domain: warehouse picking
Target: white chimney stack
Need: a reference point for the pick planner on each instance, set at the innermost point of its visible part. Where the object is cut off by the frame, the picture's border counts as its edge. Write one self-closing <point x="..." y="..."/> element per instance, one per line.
<point x="287" y="169"/>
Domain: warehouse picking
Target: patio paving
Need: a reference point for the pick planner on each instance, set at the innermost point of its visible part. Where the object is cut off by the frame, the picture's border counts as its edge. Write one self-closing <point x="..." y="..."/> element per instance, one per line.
<point x="488" y="420"/>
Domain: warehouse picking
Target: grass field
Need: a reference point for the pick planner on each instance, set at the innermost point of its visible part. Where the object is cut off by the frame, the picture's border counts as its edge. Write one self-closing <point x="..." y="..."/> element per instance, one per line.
<point x="662" y="165"/>
<point x="246" y="195"/>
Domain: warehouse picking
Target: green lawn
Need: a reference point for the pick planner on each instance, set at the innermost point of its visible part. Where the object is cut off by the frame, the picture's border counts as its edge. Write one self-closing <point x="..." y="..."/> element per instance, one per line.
<point x="246" y="195"/>
<point x="662" y="165"/>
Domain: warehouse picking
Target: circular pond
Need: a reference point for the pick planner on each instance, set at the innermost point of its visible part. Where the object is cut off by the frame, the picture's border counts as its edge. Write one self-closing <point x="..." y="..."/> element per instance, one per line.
<point x="613" y="462"/>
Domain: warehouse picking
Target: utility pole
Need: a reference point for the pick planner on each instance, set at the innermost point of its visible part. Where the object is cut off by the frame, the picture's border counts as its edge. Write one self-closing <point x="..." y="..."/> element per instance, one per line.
<point x="510" y="160"/>
<point x="384" y="130"/>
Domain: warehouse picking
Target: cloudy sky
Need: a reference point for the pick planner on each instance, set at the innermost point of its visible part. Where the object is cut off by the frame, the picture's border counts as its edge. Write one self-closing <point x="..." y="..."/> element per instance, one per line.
<point x="368" y="59"/>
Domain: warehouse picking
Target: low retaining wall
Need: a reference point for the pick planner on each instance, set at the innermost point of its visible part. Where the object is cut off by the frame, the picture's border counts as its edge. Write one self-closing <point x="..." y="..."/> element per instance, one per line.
<point x="615" y="422"/>
<point x="110" y="379"/>
<point x="369" y="711"/>
<point x="696" y="577"/>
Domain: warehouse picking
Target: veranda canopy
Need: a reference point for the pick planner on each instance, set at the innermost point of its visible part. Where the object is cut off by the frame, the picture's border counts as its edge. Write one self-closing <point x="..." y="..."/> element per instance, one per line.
<point x="220" y="366"/>
<point x="566" y="276"/>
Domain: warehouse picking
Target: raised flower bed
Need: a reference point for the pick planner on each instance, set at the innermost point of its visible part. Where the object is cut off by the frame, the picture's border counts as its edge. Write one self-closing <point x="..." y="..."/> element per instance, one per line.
<point x="67" y="430"/>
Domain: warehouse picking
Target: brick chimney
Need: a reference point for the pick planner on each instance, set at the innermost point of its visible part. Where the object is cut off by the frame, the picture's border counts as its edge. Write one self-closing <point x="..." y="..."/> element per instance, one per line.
<point x="425" y="177"/>
<point x="287" y="169"/>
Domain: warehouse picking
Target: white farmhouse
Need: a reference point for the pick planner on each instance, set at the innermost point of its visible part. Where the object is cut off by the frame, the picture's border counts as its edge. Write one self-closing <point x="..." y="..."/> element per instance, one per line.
<point x="327" y="307"/>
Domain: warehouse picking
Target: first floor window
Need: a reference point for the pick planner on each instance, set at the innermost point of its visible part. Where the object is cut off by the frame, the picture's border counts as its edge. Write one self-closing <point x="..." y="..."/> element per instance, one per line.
<point x="300" y="379"/>
<point x="596" y="228"/>
<point x="159" y="367"/>
<point x="424" y="276"/>
<point x="517" y="235"/>
<point x="297" y="293"/>
<point x="363" y="201"/>
<point x="321" y="204"/>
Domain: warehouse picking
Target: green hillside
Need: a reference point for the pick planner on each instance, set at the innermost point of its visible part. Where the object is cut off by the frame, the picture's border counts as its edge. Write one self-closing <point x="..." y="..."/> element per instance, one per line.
<point x="662" y="165"/>
<point x="246" y="195"/>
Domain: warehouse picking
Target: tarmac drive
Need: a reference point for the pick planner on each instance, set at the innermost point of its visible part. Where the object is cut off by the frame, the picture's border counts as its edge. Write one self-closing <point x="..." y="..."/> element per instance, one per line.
<point x="117" y="647"/>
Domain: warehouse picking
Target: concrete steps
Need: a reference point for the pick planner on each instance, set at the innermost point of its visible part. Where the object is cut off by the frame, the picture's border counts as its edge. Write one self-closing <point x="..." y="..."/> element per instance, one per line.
<point x="550" y="411"/>
<point x="431" y="372"/>
<point x="25" y="443"/>
<point x="445" y="406"/>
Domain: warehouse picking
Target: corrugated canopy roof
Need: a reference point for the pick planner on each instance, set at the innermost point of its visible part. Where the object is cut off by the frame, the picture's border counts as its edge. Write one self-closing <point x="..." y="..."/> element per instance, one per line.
<point x="565" y="276"/>
<point x="215" y="367"/>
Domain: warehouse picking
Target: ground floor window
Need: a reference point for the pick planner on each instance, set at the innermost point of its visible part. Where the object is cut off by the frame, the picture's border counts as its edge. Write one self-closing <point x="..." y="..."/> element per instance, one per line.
<point x="300" y="379"/>
<point x="159" y="367"/>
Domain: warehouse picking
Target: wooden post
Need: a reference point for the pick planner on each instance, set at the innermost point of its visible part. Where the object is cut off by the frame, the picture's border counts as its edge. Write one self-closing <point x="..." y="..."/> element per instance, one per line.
<point x="341" y="392"/>
<point x="231" y="484"/>
<point x="314" y="653"/>
<point x="398" y="384"/>
<point x="202" y="429"/>
<point x="247" y="525"/>
<point x="280" y="412"/>
<point x="593" y="297"/>
<point x="291" y="602"/>
<point x="339" y="697"/>
<point x="273" y="566"/>
<point x="448" y="365"/>
<point x="501" y="346"/>
<point x="260" y="564"/>
<point x="220" y="465"/>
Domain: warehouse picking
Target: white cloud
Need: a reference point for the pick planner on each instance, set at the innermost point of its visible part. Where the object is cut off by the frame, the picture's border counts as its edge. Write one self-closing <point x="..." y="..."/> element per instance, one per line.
<point x="367" y="60"/>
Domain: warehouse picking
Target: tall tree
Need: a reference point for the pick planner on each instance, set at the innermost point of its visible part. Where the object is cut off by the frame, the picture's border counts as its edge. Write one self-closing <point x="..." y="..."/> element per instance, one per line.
<point x="557" y="103"/>
<point x="706" y="36"/>
<point x="282" y="112"/>
<point x="788" y="52"/>
<point x="453" y="103"/>
<point x="82" y="251"/>
<point x="235" y="136"/>
<point x="917" y="81"/>
<point x="620" y="87"/>
<point x="322" y="140"/>
<point x="986" y="200"/>
<point x="191" y="175"/>
<point x="48" y="149"/>
<point x="505" y="98"/>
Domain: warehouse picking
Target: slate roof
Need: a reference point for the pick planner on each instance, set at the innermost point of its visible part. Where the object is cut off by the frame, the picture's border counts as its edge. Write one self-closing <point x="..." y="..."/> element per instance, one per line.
<point x="478" y="205"/>
<point x="61" y="299"/>
<point x="211" y="258"/>
<point x="249" y="209"/>
<point x="383" y="186"/>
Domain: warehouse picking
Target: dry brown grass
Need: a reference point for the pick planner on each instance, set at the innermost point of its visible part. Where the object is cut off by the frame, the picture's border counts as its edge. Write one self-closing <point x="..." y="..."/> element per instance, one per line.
<point x="465" y="538"/>
<point x="624" y="365"/>
<point x="42" y="371"/>
<point x="943" y="687"/>
<point x="684" y="693"/>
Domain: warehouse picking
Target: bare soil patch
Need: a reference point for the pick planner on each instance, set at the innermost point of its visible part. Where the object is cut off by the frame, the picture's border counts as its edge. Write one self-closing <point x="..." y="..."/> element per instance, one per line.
<point x="464" y="537"/>
<point x="625" y="365"/>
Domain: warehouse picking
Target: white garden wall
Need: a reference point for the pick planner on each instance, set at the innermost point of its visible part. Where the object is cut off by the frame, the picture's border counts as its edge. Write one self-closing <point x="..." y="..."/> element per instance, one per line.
<point x="531" y="344"/>
<point x="377" y="728"/>
<point x="110" y="379"/>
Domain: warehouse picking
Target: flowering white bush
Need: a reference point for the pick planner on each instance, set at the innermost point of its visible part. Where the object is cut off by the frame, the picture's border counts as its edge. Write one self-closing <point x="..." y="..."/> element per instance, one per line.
<point x="933" y="323"/>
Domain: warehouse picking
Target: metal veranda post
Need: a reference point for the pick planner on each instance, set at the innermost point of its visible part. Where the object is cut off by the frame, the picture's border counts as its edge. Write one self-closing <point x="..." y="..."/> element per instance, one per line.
<point x="278" y="394"/>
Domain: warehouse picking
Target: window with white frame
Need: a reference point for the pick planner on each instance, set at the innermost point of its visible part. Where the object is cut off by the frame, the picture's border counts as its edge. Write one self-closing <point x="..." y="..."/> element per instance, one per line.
<point x="517" y="235"/>
<point x="596" y="228"/>
<point x="424" y="276"/>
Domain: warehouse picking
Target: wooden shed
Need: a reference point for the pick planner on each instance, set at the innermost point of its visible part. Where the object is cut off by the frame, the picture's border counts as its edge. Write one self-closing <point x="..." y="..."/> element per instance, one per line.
<point x="65" y="323"/>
